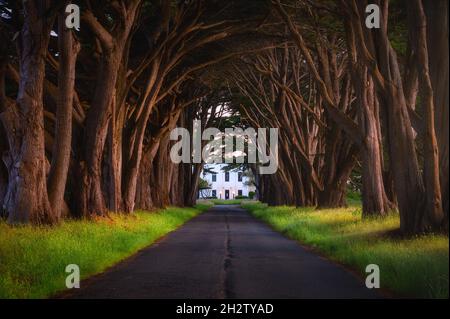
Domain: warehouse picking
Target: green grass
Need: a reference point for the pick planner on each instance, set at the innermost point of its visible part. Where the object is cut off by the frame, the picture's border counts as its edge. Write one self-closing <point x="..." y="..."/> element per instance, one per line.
<point x="226" y="201"/>
<point x="220" y="201"/>
<point x="353" y="198"/>
<point x="33" y="259"/>
<point x="229" y="201"/>
<point x="414" y="267"/>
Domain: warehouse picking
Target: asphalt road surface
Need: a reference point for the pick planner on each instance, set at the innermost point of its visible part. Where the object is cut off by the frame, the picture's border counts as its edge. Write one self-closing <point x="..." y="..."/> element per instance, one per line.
<point x="224" y="253"/>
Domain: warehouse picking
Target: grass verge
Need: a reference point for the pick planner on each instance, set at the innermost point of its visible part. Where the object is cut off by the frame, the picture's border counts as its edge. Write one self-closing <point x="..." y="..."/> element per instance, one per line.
<point x="226" y="201"/>
<point x="414" y="267"/>
<point x="33" y="259"/>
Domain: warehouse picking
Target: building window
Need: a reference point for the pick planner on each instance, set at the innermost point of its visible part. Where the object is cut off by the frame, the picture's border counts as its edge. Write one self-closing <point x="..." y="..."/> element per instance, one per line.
<point x="240" y="192"/>
<point x="227" y="176"/>
<point x="214" y="193"/>
<point x="240" y="177"/>
<point x="214" y="177"/>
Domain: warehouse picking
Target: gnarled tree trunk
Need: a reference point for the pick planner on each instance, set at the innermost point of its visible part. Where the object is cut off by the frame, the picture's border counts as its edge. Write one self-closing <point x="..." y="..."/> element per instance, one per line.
<point x="92" y="201"/>
<point x="27" y="198"/>
<point x="91" y="197"/>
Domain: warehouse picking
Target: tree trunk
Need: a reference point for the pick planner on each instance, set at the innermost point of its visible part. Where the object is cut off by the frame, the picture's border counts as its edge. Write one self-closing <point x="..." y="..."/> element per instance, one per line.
<point x="4" y="101"/>
<point x="374" y="198"/>
<point x="403" y="158"/>
<point x="192" y="191"/>
<point x="27" y="198"/>
<point x="68" y="50"/>
<point x="132" y="166"/>
<point x="333" y="196"/>
<point x="433" y="216"/>
<point x="143" y="191"/>
<point x="177" y="186"/>
<point x="92" y="201"/>
<point x="412" y="197"/>
<point x="115" y="162"/>
<point x="3" y="171"/>
<point x="334" y="190"/>
<point x="437" y="21"/>
<point x="159" y="178"/>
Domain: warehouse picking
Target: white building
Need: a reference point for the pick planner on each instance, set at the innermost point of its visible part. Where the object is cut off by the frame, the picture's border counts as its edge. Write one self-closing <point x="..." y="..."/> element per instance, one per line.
<point x="226" y="185"/>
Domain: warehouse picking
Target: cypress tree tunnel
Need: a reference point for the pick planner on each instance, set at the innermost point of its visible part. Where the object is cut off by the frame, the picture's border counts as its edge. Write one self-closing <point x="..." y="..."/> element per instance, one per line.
<point x="91" y="93"/>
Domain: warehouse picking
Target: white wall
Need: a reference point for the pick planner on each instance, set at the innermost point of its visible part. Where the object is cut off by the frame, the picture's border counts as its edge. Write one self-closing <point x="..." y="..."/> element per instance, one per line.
<point x="220" y="185"/>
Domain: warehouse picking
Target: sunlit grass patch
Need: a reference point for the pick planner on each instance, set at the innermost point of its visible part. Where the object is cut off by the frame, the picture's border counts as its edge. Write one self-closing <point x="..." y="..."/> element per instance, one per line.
<point x="227" y="201"/>
<point x="33" y="259"/>
<point x="415" y="267"/>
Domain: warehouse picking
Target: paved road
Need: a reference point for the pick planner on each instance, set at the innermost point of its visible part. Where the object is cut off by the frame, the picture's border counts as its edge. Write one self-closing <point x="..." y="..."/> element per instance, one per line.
<point x="224" y="253"/>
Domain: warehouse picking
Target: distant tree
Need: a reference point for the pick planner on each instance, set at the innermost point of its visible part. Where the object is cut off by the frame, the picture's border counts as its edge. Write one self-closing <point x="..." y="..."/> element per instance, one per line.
<point x="204" y="188"/>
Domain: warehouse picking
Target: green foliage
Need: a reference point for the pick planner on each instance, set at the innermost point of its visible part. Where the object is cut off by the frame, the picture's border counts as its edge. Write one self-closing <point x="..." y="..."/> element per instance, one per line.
<point x="355" y="181"/>
<point x="251" y="195"/>
<point x="208" y="170"/>
<point x="398" y="27"/>
<point x="353" y="198"/>
<point x="203" y="184"/>
<point x="33" y="259"/>
<point x="416" y="267"/>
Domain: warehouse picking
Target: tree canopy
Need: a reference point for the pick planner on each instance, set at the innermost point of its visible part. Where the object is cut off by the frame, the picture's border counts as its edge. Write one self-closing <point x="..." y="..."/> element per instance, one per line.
<point x="86" y="115"/>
